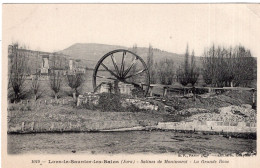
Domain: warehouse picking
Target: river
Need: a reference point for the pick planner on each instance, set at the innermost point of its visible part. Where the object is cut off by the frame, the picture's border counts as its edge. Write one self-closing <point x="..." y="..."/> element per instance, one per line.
<point x="127" y="142"/>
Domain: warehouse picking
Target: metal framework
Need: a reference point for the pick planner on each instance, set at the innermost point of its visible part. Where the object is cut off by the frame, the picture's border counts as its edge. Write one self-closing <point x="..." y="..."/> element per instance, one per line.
<point x="123" y="72"/>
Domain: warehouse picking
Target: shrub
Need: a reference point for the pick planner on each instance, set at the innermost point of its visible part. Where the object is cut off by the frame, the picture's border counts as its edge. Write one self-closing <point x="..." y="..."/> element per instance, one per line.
<point x="110" y="102"/>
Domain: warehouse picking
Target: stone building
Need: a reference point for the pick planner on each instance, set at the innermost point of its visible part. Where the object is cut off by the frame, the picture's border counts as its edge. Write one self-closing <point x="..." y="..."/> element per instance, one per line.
<point x="109" y="87"/>
<point x="45" y="64"/>
<point x="75" y="66"/>
<point x="39" y="61"/>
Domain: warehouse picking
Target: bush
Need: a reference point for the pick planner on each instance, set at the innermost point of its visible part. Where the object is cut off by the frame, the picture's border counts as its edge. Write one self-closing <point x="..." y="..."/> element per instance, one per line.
<point x="110" y="102"/>
<point x="11" y="108"/>
<point x="23" y="95"/>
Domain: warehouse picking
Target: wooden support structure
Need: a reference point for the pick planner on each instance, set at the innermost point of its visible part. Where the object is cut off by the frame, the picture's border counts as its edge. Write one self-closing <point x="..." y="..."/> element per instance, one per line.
<point x="253" y="100"/>
<point x="22" y="127"/>
<point x="194" y="93"/>
<point x="151" y="90"/>
<point x="165" y="89"/>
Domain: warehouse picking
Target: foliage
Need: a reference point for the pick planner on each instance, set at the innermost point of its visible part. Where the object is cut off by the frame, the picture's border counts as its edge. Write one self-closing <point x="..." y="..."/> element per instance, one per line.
<point x="75" y="81"/>
<point x="110" y="102"/>
<point x="165" y="71"/>
<point x="17" y="71"/>
<point x="113" y="102"/>
<point x="194" y="71"/>
<point x="188" y="72"/>
<point x="228" y="67"/>
<point x="150" y="65"/>
<point x="55" y="82"/>
<point x="134" y="68"/>
<point x="55" y="76"/>
<point x="19" y="107"/>
<point x="35" y="85"/>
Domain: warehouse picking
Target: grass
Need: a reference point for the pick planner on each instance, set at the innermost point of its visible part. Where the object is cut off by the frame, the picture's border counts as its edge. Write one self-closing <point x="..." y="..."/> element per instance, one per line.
<point x="65" y="117"/>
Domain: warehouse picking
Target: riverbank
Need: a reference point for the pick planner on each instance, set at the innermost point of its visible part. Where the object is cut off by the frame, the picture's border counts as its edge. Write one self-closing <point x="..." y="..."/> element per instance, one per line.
<point x="226" y="132"/>
<point x="95" y="121"/>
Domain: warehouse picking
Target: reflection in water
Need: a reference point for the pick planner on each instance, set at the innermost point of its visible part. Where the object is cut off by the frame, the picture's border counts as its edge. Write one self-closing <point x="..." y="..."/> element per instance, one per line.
<point x="126" y="142"/>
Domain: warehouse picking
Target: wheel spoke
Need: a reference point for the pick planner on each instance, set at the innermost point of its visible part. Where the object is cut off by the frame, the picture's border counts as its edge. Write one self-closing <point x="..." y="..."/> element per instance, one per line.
<point x="132" y="64"/>
<point x="115" y="65"/>
<point x="105" y="77"/>
<point x="111" y="72"/>
<point x="126" y="72"/>
<point x="139" y="72"/>
<point x="122" y="65"/>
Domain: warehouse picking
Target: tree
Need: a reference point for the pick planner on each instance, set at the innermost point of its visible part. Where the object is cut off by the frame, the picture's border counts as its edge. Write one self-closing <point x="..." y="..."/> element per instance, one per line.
<point x="182" y="76"/>
<point x="165" y="71"/>
<point x="55" y="76"/>
<point x="75" y="81"/>
<point x="134" y="68"/>
<point x="246" y="67"/>
<point x="228" y="67"/>
<point x="184" y="72"/>
<point x="188" y="73"/>
<point x="208" y="65"/>
<point x="35" y="85"/>
<point x="17" y="71"/>
<point x="186" y="62"/>
<point x="194" y="71"/>
<point x="150" y="64"/>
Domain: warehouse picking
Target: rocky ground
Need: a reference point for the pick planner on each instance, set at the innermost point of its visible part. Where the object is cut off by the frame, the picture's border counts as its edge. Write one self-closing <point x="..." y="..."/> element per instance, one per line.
<point x="231" y="106"/>
<point x="231" y="113"/>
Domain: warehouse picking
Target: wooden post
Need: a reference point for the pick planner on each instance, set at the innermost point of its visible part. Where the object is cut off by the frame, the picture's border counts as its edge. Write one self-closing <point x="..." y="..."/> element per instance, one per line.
<point x="116" y="88"/>
<point x="142" y="86"/>
<point x="151" y="90"/>
<point x="32" y="126"/>
<point x="253" y="100"/>
<point x="70" y="126"/>
<point x="22" y="128"/>
<point x="194" y="93"/>
<point x="74" y="96"/>
<point x="165" y="91"/>
<point x="52" y="126"/>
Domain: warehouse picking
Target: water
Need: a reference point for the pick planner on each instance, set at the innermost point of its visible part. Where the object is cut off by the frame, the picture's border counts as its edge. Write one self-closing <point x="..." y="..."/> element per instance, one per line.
<point x="126" y="142"/>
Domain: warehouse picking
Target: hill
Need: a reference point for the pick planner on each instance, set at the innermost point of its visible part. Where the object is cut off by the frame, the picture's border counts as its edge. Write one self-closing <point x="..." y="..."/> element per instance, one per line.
<point x="90" y="53"/>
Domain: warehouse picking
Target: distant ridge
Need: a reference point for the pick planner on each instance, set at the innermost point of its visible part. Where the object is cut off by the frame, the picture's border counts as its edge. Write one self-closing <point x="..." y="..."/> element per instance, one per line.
<point x="90" y="53"/>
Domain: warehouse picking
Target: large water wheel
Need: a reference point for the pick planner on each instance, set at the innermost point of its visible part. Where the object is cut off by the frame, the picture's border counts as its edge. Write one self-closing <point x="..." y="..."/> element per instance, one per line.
<point x="122" y="66"/>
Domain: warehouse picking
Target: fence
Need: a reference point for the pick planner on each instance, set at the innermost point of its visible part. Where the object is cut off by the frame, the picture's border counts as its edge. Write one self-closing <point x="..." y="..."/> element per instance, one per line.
<point x="194" y="90"/>
<point x="43" y="102"/>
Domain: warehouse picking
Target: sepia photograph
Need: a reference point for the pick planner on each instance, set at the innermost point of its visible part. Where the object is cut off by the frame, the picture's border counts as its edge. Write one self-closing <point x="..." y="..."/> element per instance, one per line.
<point x="175" y="80"/>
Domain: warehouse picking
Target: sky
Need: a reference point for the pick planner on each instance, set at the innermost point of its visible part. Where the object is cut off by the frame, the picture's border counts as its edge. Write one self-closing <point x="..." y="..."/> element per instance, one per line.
<point x="170" y="27"/>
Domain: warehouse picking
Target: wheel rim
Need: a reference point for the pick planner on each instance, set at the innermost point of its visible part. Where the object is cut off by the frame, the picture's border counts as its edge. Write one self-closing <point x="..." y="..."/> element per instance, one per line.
<point x="122" y="66"/>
